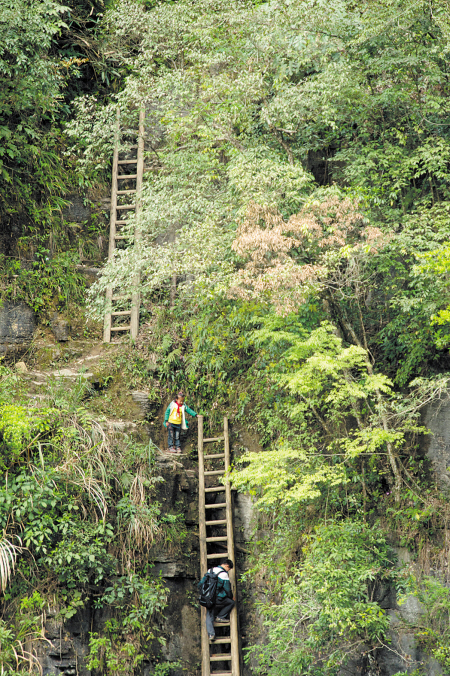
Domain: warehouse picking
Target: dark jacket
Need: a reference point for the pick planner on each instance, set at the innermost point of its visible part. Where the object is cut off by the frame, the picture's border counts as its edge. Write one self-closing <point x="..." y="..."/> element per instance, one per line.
<point x="223" y="583"/>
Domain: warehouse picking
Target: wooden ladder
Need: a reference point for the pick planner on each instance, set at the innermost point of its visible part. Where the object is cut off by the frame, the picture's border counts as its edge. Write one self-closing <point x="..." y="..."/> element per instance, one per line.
<point x="123" y="171"/>
<point x="209" y="519"/>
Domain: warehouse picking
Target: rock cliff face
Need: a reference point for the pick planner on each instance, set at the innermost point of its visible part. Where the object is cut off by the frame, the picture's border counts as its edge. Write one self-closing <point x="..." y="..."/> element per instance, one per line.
<point x="17" y="325"/>
<point x="67" y="643"/>
<point x="437" y="444"/>
<point x="403" y="653"/>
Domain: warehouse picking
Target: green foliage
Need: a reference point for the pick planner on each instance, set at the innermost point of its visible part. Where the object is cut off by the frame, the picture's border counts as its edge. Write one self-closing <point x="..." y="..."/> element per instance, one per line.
<point x="70" y="399"/>
<point x="432" y="630"/>
<point x="221" y="349"/>
<point x="77" y="512"/>
<point x="21" y="428"/>
<point x="93" y="132"/>
<point x="243" y="100"/>
<point x="30" y="84"/>
<point x="286" y="476"/>
<point x="46" y="284"/>
<point x="53" y="530"/>
<point x="142" y="598"/>
<point x="262" y="176"/>
<point x="434" y="267"/>
<point x="18" y="635"/>
<point x="322" y="334"/>
<point x="329" y="385"/>
<point x="139" y="601"/>
<point x="10" y="385"/>
<point x="80" y="553"/>
<point x="105" y="655"/>
<point x="326" y="605"/>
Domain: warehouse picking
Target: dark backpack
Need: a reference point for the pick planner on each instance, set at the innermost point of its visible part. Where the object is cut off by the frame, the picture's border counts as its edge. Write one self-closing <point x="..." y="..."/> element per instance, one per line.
<point x="208" y="589"/>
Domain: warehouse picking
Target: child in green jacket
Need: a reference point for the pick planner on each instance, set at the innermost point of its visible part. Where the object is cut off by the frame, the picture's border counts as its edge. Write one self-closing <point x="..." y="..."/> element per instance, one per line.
<point x="175" y="421"/>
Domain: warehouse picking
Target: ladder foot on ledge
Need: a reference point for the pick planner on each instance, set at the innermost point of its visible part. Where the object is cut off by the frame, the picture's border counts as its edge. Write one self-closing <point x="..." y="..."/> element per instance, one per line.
<point x="222" y="532"/>
<point x="118" y="215"/>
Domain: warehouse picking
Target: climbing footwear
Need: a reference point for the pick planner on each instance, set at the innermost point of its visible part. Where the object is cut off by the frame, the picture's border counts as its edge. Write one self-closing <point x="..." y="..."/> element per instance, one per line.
<point x="211" y="637"/>
<point x="221" y="619"/>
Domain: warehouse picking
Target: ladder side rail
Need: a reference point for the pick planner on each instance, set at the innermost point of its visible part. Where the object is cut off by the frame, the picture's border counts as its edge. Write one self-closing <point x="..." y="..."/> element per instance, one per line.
<point x="135" y="298"/>
<point x="202" y="539"/>
<point x="112" y="229"/>
<point x="234" y="633"/>
<point x="107" y="319"/>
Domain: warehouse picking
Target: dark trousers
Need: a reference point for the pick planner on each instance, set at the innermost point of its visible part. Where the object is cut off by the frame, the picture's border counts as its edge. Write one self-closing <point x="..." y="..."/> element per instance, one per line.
<point x="174" y="435"/>
<point x="222" y="609"/>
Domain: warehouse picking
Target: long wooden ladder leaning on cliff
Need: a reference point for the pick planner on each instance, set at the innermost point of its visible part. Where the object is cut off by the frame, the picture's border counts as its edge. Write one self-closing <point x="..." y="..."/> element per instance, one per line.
<point x="209" y="520"/>
<point x="130" y="170"/>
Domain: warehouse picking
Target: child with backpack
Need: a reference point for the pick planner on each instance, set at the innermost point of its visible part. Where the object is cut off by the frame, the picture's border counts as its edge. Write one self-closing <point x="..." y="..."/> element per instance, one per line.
<point x="175" y="421"/>
<point x="216" y="596"/>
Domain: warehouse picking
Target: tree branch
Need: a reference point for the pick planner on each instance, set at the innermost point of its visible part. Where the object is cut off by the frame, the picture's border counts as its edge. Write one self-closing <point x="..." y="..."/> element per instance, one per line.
<point x="283" y="143"/>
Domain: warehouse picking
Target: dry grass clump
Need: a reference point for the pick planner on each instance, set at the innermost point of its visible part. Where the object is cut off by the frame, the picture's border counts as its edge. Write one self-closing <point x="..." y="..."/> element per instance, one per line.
<point x="8" y="556"/>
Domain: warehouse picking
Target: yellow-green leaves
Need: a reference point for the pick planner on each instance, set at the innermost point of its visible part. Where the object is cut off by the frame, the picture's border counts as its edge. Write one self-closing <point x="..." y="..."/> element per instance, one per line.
<point x="21" y="427"/>
<point x="371" y="440"/>
<point x="285" y="476"/>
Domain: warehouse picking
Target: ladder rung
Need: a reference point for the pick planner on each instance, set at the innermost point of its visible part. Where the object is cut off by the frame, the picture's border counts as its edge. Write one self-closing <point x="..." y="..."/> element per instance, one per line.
<point x="225" y="657"/>
<point x="214" y="472"/>
<point x="126" y="192"/>
<point x="220" y="673"/>
<point x="218" y="539"/>
<point x="215" y="439"/>
<point x="119" y="207"/>
<point x="121" y="313"/>
<point x="121" y="237"/>
<point x="122" y="222"/>
<point x="121" y="298"/>
<point x="216" y="455"/>
<point x="222" y="640"/>
<point x="222" y="624"/>
<point x="214" y="489"/>
<point x="127" y="161"/>
<point x="217" y="556"/>
<point x="216" y="505"/>
<point x="220" y="522"/>
<point x="122" y="177"/>
<point x="121" y="328"/>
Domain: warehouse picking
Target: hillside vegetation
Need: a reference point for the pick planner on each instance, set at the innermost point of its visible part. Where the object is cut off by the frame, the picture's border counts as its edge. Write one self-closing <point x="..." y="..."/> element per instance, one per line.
<point x="294" y="260"/>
